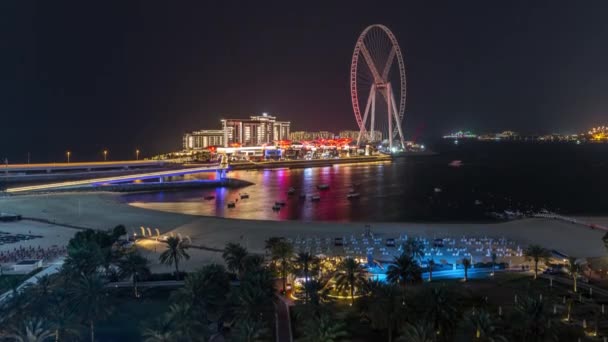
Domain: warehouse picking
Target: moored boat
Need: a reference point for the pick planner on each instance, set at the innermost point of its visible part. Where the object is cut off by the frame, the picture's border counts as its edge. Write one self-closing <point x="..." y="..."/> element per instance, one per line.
<point x="231" y="205"/>
<point x="352" y="195"/>
<point x="323" y="186"/>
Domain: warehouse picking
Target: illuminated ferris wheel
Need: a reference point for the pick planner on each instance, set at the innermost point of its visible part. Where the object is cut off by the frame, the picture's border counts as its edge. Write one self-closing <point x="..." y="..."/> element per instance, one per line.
<point x="377" y="68"/>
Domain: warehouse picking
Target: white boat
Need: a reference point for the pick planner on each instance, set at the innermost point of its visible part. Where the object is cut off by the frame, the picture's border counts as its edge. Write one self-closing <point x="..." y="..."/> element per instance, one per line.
<point x="323" y="186"/>
<point x="315" y="197"/>
<point x="437" y="190"/>
<point x="455" y="163"/>
<point x="352" y="195"/>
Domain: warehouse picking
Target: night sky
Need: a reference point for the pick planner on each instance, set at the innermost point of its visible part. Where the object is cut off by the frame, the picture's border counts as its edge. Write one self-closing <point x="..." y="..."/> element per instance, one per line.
<point x="124" y="74"/>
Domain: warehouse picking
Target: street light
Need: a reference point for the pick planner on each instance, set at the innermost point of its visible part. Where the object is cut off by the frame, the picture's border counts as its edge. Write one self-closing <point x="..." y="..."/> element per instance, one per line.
<point x="68" y="154"/>
<point x="137" y="154"/>
<point x="105" y="155"/>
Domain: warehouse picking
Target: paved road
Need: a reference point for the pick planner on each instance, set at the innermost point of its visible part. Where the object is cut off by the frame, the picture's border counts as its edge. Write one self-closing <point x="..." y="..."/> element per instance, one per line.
<point x="284" y="333"/>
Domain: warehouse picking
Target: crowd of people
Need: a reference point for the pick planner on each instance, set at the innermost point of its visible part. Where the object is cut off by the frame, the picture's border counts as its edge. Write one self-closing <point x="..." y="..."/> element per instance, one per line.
<point x="36" y="253"/>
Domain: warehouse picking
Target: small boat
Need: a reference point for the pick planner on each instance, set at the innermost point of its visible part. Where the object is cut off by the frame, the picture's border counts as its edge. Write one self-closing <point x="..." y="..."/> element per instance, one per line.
<point x="352" y="195"/>
<point x="455" y="163"/>
<point x="231" y="205"/>
<point x="208" y="198"/>
<point x="280" y="203"/>
<point x="315" y="197"/>
<point x="323" y="186"/>
<point x="478" y="202"/>
<point x="276" y="207"/>
<point x="291" y="191"/>
<point x="437" y="190"/>
<point x="244" y="195"/>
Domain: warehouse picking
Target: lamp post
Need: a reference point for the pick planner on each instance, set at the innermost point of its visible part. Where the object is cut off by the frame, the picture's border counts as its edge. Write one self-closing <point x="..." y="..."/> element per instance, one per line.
<point x="137" y="154"/>
<point x="68" y="154"/>
<point x="105" y="155"/>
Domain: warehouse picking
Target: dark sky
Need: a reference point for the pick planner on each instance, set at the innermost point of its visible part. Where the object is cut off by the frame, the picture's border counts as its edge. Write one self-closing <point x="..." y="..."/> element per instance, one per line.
<point x="86" y="75"/>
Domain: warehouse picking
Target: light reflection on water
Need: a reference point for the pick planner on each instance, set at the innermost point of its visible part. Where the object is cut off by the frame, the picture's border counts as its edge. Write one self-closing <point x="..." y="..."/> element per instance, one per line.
<point x="489" y="180"/>
<point x="271" y="186"/>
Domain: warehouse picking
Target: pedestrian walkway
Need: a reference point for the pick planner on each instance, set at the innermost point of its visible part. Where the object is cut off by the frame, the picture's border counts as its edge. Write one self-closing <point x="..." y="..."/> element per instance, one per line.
<point x="53" y="268"/>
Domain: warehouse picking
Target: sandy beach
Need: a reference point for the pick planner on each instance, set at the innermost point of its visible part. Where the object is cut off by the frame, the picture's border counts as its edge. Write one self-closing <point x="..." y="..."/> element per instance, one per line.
<point x="106" y="210"/>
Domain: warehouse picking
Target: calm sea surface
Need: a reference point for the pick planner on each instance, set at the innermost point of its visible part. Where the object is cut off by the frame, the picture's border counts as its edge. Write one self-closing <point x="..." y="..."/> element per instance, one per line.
<point x="567" y="178"/>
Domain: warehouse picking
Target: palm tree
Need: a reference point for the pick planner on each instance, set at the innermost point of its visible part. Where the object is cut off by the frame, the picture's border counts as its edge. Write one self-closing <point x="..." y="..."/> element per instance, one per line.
<point x="62" y="316"/>
<point x="184" y="322"/>
<point x="421" y="332"/>
<point x="534" y="319"/>
<point x="403" y="270"/>
<point x="254" y="297"/>
<point x="271" y="242"/>
<point x="31" y="330"/>
<point x="441" y="312"/>
<point x="574" y="269"/>
<point x="206" y="290"/>
<point x="386" y="307"/>
<point x="176" y="251"/>
<point x="466" y="263"/>
<point x="161" y="330"/>
<point x="536" y="253"/>
<point x="253" y="263"/>
<point x="282" y="252"/>
<point x="133" y="265"/>
<point x="485" y="329"/>
<point x="414" y="248"/>
<point x="493" y="256"/>
<point x="249" y="330"/>
<point x="317" y="290"/>
<point x="234" y="256"/>
<point x="90" y="297"/>
<point x="431" y="264"/>
<point x="305" y="260"/>
<point x="324" y="329"/>
<point x="349" y="276"/>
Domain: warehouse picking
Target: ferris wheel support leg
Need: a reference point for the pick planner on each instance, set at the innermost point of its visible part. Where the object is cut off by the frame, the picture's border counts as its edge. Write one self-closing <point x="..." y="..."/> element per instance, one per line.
<point x="369" y="102"/>
<point x="399" y="128"/>
<point x="390" y="117"/>
<point x="371" y="134"/>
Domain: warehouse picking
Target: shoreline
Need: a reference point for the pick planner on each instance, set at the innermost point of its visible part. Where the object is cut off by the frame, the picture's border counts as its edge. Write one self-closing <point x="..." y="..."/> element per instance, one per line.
<point x="101" y="210"/>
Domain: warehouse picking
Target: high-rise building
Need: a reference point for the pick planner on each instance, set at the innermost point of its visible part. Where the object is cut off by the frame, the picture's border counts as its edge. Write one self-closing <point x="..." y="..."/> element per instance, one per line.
<point x="255" y="131"/>
<point x="199" y="140"/>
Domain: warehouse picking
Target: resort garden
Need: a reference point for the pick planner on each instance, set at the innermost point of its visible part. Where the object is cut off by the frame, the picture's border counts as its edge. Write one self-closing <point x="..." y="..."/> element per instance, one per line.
<point x="105" y="292"/>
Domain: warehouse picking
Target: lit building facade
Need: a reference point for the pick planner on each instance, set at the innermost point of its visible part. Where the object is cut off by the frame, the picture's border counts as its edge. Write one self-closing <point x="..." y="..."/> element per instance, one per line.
<point x="355" y="135"/>
<point x="255" y="131"/>
<point x="307" y="136"/>
<point x="202" y="139"/>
